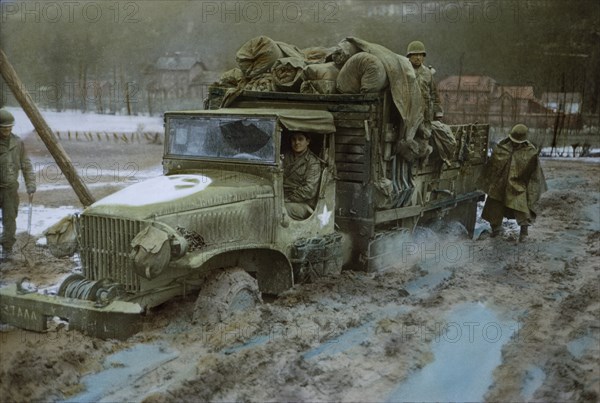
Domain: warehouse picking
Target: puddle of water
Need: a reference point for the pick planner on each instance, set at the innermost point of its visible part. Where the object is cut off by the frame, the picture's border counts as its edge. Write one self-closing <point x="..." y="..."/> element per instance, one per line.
<point x="253" y="342"/>
<point x="355" y="336"/>
<point x="425" y="284"/>
<point x="579" y="346"/>
<point x="465" y="354"/>
<point x="344" y="342"/>
<point x="591" y="214"/>
<point x="534" y="378"/>
<point x="339" y="344"/>
<point x="123" y="367"/>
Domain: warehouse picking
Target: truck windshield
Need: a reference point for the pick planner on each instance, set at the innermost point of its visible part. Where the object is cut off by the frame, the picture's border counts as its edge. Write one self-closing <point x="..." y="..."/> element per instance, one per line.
<point x="239" y="138"/>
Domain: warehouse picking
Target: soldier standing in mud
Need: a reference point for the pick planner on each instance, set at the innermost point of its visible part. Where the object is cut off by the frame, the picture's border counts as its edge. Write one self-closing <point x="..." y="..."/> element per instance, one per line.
<point x="301" y="173"/>
<point x="13" y="159"/>
<point x="514" y="181"/>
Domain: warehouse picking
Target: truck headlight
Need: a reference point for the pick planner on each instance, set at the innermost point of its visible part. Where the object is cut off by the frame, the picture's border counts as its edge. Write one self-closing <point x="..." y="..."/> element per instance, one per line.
<point x="150" y="252"/>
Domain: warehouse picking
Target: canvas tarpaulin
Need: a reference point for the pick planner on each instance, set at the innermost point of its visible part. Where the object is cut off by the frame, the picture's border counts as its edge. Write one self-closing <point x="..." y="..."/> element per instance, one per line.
<point x="287" y="74"/>
<point x="319" y="78"/>
<point x="403" y="85"/>
<point x="313" y="121"/>
<point x="362" y="73"/>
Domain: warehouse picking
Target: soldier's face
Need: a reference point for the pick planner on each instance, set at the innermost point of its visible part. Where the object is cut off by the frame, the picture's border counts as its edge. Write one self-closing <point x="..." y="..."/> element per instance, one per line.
<point x="5" y="131"/>
<point x="299" y="143"/>
<point x="416" y="59"/>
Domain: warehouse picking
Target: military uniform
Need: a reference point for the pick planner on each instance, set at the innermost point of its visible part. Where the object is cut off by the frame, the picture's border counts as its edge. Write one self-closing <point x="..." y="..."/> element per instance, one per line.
<point x="514" y="182"/>
<point x="301" y="176"/>
<point x="432" y="110"/>
<point x="433" y="106"/>
<point x="12" y="159"/>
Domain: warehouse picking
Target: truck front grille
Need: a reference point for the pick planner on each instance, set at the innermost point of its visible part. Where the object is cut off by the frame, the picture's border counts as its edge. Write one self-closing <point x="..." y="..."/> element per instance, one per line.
<point x="105" y="247"/>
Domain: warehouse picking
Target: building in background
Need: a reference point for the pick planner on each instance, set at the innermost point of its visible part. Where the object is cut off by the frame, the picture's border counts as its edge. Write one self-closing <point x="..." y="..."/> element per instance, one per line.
<point x="170" y="77"/>
<point x="177" y="80"/>
<point x="479" y="98"/>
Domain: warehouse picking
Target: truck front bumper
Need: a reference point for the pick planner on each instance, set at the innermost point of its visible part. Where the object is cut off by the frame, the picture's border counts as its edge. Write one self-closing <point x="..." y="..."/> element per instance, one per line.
<point x="31" y="311"/>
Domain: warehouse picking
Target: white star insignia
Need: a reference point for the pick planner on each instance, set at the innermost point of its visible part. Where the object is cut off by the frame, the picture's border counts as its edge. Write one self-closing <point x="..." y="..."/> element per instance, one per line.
<point x="324" y="216"/>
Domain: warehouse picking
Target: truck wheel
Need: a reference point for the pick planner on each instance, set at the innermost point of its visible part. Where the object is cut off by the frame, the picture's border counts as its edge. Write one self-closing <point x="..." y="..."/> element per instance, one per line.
<point x="225" y="293"/>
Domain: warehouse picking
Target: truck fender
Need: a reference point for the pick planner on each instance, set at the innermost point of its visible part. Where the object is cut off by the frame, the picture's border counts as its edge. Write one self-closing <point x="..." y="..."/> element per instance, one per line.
<point x="271" y="267"/>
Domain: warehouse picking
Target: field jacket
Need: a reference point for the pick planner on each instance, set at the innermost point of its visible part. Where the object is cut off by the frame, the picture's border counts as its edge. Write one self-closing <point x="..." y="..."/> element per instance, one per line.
<point x="12" y="159"/>
<point x="433" y="105"/>
<point x="301" y="177"/>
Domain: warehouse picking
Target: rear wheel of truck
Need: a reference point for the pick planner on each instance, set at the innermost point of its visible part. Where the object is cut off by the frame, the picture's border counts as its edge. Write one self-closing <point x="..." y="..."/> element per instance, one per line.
<point x="226" y="293"/>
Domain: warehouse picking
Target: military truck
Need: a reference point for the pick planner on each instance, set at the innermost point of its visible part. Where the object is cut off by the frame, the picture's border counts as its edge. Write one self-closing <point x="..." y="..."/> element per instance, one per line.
<point x="215" y="224"/>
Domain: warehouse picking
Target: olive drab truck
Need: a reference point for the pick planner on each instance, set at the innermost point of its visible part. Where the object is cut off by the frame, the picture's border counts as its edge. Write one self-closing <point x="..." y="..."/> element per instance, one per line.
<point x="215" y="224"/>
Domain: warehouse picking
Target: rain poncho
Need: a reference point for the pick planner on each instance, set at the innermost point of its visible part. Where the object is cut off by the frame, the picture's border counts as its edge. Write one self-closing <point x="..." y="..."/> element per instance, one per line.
<point x="514" y="176"/>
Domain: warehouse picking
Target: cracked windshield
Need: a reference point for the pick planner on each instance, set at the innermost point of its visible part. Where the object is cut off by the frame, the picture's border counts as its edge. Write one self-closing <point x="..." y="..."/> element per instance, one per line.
<point x="219" y="137"/>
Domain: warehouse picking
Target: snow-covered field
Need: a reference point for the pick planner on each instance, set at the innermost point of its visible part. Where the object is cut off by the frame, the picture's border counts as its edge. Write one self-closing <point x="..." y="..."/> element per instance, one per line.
<point x="88" y="122"/>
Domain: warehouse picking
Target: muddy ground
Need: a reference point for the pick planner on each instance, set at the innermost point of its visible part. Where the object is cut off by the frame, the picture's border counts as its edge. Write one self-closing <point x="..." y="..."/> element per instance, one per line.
<point x="458" y="319"/>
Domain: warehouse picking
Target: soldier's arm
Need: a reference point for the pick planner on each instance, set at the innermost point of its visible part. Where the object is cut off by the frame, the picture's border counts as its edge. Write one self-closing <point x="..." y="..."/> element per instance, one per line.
<point x="27" y="170"/>
<point x="308" y="190"/>
<point x="438" y="111"/>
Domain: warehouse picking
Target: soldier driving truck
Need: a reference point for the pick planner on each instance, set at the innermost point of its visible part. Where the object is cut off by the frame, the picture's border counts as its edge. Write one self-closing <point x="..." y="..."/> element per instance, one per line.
<point x="301" y="169"/>
<point x="218" y="222"/>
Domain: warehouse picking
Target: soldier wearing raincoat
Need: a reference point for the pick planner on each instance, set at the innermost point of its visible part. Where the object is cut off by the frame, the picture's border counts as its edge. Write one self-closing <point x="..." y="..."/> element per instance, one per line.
<point x="513" y="181"/>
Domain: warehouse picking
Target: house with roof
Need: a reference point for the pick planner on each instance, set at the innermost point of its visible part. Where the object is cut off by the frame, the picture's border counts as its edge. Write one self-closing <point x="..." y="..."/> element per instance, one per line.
<point x="482" y="99"/>
<point x="519" y="104"/>
<point x="467" y="98"/>
<point x="171" y="76"/>
<point x="567" y="102"/>
<point x="567" y="106"/>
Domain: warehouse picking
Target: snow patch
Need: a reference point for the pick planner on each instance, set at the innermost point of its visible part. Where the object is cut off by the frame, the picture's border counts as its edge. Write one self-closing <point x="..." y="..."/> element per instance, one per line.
<point x="86" y="122"/>
<point x="157" y="190"/>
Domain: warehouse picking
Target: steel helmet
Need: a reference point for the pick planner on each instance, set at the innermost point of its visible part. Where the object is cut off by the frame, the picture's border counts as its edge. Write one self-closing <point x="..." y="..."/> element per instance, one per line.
<point x="6" y="118"/>
<point x="518" y="133"/>
<point x="415" y="47"/>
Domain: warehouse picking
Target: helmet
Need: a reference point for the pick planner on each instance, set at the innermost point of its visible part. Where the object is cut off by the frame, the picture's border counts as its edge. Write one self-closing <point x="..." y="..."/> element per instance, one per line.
<point x="415" y="47"/>
<point x="6" y="118"/>
<point x="518" y="133"/>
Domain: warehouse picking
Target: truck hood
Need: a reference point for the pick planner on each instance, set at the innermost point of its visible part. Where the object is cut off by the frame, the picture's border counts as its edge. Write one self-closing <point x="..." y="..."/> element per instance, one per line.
<point x="177" y="193"/>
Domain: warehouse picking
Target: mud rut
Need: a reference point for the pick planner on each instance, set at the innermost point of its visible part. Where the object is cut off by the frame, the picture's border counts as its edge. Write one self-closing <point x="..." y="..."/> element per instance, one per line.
<point x="494" y="319"/>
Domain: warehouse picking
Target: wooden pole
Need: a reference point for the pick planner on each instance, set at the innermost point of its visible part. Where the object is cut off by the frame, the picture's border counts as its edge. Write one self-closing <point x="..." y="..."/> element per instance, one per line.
<point x="43" y="130"/>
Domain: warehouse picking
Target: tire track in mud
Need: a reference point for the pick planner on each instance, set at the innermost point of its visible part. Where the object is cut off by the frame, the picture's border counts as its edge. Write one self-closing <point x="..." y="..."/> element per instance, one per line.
<point x="282" y="343"/>
<point x="350" y="338"/>
<point x="553" y="356"/>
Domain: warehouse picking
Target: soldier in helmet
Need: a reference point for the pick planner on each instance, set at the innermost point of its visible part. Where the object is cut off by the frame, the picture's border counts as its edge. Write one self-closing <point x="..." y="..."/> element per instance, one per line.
<point x="13" y="159"/>
<point x="442" y="139"/>
<point x="514" y="181"/>
<point x="416" y="55"/>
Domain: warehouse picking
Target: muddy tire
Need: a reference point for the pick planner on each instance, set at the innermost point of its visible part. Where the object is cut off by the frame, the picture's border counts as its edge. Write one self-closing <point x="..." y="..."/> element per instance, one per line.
<point x="225" y="293"/>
